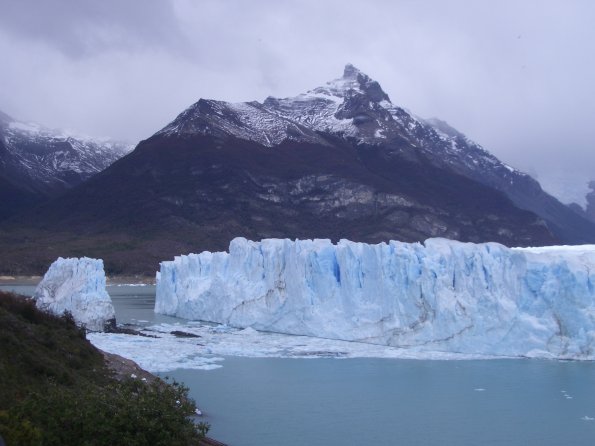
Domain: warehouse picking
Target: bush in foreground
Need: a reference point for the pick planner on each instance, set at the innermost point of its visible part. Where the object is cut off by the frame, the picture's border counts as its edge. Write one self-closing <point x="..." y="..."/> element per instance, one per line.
<point x="56" y="390"/>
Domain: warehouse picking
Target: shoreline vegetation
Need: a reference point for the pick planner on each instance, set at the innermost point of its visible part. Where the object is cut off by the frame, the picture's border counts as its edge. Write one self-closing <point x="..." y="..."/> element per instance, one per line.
<point x="56" y="388"/>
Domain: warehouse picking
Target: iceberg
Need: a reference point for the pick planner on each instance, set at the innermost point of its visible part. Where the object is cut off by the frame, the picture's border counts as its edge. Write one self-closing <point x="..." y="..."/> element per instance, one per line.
<point x="77" y="286"/>
<point x="439" y="296"/>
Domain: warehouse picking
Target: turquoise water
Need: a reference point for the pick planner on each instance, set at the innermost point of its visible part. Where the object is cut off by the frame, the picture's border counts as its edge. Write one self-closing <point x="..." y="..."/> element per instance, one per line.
<point x="285" y="402"/>
<point x="25" y="290"/>
<point x="345" y="402"/>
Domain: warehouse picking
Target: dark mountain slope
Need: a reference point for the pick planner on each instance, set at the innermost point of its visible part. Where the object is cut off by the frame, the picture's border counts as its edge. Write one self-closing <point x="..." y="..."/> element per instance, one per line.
<point x="179" y="194"/>
<point x="451" y="149"/>
<point x="14" y="198"/>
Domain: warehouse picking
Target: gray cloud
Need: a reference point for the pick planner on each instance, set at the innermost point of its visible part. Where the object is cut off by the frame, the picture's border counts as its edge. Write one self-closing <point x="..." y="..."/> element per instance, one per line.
<point x="514" y="76"/>
<point x="83" y="28"/>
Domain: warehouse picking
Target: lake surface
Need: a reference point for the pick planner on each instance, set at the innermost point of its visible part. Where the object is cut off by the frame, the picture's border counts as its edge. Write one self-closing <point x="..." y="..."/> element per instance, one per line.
<point x="322" y="401"/>
<point x="281" y="401"/>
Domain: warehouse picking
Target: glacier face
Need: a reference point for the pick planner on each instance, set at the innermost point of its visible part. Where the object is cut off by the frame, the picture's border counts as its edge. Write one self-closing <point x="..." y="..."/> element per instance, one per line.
<point x="438" y="296"/>
<point x="77" y="286"/>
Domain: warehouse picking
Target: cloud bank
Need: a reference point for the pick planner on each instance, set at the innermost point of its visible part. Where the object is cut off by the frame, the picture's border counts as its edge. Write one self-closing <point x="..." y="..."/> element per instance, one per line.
<point x="514" y="76"/>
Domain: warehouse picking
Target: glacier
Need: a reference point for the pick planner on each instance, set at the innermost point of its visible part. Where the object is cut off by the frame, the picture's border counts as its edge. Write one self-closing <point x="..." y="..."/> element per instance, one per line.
<point x="77" y="285"/>
<point x="439" y="296"/>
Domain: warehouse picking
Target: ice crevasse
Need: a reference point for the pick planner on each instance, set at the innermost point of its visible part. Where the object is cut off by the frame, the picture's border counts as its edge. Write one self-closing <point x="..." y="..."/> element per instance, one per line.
<point x="77" y="285"/>
<point x="441" y="295"/>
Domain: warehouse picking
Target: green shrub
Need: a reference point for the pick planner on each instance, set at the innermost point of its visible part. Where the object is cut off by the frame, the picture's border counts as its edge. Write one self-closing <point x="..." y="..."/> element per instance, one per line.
<point x="56" y="390"/>
<point x="124" y="413"/>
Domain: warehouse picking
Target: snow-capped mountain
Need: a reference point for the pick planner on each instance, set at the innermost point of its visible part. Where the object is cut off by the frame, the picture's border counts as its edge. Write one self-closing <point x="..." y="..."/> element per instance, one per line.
<point x="46" y="161"/>
<point x="339" y="161"/>
<point x="355" y="108"/>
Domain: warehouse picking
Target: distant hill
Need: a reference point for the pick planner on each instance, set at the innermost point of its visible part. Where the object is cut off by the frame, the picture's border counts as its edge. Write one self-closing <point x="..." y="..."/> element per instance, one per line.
<point x="37" y="163"/>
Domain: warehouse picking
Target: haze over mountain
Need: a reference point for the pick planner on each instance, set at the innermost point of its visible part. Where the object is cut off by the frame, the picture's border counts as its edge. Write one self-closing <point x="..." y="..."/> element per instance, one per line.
<point x="340" y="161"/>
<point x="591" y="202"/>
<point x="37" y="163"/>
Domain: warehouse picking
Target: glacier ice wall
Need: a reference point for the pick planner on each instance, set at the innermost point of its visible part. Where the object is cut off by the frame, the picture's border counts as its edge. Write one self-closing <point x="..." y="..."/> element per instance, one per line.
<point x="77" y="286"/>
<point x="438" y="296"/>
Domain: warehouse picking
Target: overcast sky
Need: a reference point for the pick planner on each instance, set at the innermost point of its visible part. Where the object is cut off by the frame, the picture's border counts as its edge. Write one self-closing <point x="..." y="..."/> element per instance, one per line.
<point x="516" y="76"/>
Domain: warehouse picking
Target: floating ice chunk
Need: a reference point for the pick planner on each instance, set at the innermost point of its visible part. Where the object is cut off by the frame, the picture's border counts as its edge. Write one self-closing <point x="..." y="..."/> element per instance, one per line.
<point x="157" y="354"/>
<point x="221" y="329"/>
<point x="77" y="286"/>
<point x="164" y="351"/>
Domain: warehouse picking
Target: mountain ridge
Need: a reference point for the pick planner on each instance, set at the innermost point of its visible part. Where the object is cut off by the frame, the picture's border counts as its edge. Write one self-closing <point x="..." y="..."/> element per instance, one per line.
<point x="339" y="161"/>
<point x="354" y="106"/>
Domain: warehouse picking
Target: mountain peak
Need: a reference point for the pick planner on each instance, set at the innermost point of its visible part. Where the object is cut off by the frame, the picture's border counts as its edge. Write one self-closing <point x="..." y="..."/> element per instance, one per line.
<point x="354" y="81"/>
<point x="352" y="72"/>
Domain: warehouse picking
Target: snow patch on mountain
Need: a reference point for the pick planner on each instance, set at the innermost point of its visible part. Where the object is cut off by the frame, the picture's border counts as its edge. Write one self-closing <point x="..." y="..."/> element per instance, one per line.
<point x="77" y="286"/>
<point x="245" y="120"/>
<point x="339" y="107"/>
<point x="440" y="296"/>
